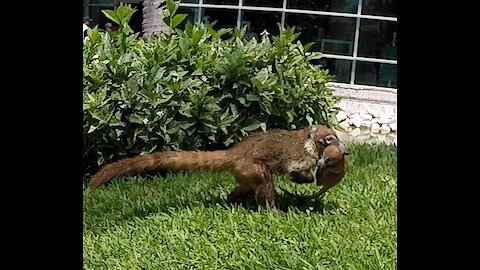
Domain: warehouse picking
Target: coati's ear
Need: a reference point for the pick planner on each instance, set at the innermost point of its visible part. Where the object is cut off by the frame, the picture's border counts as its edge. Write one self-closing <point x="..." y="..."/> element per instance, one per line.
<point x="329" y="139"/>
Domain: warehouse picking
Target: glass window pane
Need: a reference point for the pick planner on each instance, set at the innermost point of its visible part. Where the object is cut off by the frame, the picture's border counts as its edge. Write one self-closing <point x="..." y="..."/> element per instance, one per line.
<point x="226" y="18"/>
<point x="261" y="20"/>
<point x="378" y="39"/>
<point x="263" y="3"/>
<point x="377" y="74"/>
<point x="333" y="35"/>
<point x="106" y="2"/>
<point x="380" y="7"/>
<point x="98" y="18"/>
<point x="221" y="2"/>
<point x="347" y="6"/>
<point x="192" y="15"/>
<point x="340" y="69"/>
<point x="137" y="18"/>
<point x="189" y="1"/>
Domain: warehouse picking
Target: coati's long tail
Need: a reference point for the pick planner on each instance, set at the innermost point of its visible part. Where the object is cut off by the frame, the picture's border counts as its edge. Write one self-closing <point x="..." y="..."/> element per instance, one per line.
<point x="208" y="161"/>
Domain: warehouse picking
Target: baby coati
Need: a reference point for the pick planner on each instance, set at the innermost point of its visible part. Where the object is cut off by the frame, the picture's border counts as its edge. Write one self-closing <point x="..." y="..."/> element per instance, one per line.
<point x="252" y="161"/>
<point x="331" y="168"/>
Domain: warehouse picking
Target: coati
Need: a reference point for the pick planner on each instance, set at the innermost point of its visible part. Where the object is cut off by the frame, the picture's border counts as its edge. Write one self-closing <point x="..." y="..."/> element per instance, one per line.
<point x="252" y="161"/>
<point x="331" y="167"/>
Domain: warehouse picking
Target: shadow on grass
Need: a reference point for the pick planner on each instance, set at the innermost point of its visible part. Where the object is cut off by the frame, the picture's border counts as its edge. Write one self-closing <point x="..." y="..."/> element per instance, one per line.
<point x="284" y="203"/>
<point x="122" y="201"/>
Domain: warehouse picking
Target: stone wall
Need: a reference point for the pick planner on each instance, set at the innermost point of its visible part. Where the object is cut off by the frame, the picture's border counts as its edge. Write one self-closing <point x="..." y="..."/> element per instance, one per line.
<point x="368" y="113"/>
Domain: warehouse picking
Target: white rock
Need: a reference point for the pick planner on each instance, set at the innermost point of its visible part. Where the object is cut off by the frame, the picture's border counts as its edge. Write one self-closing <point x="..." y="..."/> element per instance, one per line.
<point x="365" y="130"/>
<point x="373" y="112"/>
<point x="382" y="138"/>
<point x="389" y="111"/>
<point x="357" y="122"/>
<point x="374" y="120"/>
<point x="344" y="125"/>
<point x="363" y="137"/>
<point x="354" y="115"/>
<point x="385" y="119"/>
<point x="355" y="132"/>
<point x="366" y="123"/>
<point x="391" y="136"/>
<point x="384" y="129"/>
<point x="393" y="126"/>
<point x="341" y="115"/>
<point x="366" y="116"/>
<point x="375" y="128"/>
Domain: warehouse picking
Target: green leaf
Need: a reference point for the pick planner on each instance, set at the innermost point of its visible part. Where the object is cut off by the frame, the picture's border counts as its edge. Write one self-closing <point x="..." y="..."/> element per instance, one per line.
<point x="135" y="118"/>
<point x="262" y="76"/>
<point x="309" y="119"/>
<point x="197" y="72"/>
<point x="251" y="125"/>
<point x="172" y="6"/>
<point x="159" y="74"/>
<point x="165" y="15"/>
<point x="178" y="19"/>
<point x="112" y="15"/>
<point x="252" y="97"/>
<point x="189" y="28"/>
<point x="91" y="129"/>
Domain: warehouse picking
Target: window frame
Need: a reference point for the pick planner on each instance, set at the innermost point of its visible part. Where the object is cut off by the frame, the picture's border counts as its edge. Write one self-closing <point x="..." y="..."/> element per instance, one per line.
<point x="284" y="10"/>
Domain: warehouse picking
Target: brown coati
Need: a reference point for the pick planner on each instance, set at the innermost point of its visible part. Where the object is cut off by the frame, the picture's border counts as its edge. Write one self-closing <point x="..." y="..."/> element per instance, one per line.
<point x="332" y="166"/>
<point x="252" y="161"/>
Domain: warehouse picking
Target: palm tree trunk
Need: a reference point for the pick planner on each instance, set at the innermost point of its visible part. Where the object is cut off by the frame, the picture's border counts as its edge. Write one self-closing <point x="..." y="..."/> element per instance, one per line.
<point x="152" y="22"/>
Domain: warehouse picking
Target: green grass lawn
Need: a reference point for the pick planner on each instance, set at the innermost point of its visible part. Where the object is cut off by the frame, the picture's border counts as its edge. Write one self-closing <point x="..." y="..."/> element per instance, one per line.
<point x="183" y="221"/>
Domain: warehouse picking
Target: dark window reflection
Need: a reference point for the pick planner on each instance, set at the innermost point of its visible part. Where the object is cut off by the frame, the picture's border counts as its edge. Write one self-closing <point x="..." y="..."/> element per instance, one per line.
<point x="263" y="3"/>
<point x="348" y="6"/>
<point x="378" y="39"/>
<point x="376" y="74"/>
<point x="107" y="2"/>
<point x="340" y="69"/>
<point x="189" y="1"/>
<point x="333" y="35"/>
<point x="258" y="21"/>
<point x="192" y="15"/>
<point x="221" y="2"/>
<point x="226" y="18"/>
<point x="96" y="14"/>
<point x="380" y="7"/>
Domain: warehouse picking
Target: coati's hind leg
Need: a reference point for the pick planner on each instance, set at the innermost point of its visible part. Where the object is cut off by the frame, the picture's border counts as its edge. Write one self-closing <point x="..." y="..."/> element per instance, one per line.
<point x="239" y="193"/>
<point x="254" y="176"/>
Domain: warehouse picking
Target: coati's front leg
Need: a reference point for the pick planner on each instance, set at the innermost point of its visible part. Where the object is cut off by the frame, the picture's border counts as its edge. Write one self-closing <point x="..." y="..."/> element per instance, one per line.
<point x="254" y="176"/>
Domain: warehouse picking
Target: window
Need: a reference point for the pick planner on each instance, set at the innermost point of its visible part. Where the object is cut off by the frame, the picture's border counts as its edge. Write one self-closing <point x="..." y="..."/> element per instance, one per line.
<point x="93" y="9"/>
<point x="359" y="38"/>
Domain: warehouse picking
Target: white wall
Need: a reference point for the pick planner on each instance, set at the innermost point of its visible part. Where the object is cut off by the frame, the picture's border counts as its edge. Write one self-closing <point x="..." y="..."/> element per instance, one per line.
<point x="368" y="113"/>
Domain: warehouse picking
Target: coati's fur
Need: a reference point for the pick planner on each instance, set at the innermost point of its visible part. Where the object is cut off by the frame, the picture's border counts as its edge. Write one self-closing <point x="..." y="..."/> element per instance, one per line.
<point x="253" y="161"/>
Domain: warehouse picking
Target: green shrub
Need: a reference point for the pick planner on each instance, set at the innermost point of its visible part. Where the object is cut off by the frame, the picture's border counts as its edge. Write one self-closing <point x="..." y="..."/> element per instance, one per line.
<point x="196" y="88"/>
